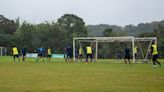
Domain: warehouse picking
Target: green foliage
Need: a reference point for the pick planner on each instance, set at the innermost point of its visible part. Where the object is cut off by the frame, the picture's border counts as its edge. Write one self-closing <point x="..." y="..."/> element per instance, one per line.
<point x="160" y="34"/>
<point x="108" y="32"/>
<point x="7" y="26"/>
<point x="74" y="25"/>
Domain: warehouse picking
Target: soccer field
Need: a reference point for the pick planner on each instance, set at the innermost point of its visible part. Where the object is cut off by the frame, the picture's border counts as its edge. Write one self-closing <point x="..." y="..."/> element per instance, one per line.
<point x="59" y="76"/>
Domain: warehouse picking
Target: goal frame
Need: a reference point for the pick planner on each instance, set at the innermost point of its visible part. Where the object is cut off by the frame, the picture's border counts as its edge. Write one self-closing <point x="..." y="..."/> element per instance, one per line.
<point x="131" y="39"/>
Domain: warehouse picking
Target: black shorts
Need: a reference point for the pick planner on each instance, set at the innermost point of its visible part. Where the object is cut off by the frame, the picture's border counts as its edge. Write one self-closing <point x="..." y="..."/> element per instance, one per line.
<point x="49" y="56"/>
<point x="127" y="56"/>
<point x="80" y="55"/>
<point x="16" y="56"/>
<point x="155" y="57"/>
<point x="89" y="55"/>
<point x="40" y="55"/>
<point x="69" y="55"/>
<point x="24" y="54"/>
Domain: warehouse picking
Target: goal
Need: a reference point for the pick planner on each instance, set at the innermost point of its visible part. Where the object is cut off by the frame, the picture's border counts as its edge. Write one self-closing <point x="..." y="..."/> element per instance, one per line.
<point x="127" y="39"/>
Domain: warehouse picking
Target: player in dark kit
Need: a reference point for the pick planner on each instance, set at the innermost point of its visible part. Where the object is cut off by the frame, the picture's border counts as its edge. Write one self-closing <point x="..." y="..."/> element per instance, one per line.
<point x="23" y="54"/>
<point x="69" y="54"/>
<point x="41" y="53"/>
<point x="127" y="55"/>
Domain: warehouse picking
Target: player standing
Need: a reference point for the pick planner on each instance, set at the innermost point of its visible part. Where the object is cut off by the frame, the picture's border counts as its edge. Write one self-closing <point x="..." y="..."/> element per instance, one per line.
<point x="49" y="54"/>
<point x="89" y="53"/>
<point x="23" y="54"/>
<point x="127" y="55"/>
<point x="15" y="53"/>
<point x="135" y="54"/>
<point x="69" y="54"/>
<point x="80" y="53"/>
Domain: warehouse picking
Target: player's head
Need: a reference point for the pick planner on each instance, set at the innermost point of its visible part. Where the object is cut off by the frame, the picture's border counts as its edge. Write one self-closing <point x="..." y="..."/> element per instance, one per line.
<point x="14" y="46"/>
<point x="25" y="46"/>
<point x="153" y="42"/>
<point x="126" y="45"/>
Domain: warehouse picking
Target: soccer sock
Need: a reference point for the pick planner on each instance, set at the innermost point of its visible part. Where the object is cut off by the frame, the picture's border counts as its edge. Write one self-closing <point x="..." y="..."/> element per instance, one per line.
<point x="158" y="62"/>
<point x="153" y="62"/>
<point x="37" y="60"/>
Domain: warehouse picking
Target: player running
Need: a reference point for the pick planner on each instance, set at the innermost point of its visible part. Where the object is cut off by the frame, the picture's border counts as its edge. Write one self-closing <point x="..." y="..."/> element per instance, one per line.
<point x="41" y="54"/>
<point x="154" y="52"/>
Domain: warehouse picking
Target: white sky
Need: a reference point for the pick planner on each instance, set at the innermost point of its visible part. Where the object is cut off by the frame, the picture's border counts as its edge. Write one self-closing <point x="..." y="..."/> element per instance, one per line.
<point x="112" y="12"/>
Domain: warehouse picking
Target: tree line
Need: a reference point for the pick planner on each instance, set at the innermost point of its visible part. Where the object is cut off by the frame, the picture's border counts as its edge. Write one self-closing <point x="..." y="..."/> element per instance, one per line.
<point x="60" y="34"/>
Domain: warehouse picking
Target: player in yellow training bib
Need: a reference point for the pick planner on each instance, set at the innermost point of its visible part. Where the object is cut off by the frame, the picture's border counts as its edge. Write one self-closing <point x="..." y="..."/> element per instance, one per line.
<point x="89" y="53"/>
<point x="15" y="53"/>
<point x="154" y="53"/>
<point x="49" y="52"/>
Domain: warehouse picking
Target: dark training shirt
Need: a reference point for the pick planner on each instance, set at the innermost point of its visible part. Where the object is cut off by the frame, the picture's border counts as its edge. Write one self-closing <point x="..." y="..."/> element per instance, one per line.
<point x="127" y="51"/>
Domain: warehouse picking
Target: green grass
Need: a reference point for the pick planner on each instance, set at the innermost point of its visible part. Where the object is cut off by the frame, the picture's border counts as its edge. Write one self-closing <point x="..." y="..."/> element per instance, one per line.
<point x="58" y="76"/>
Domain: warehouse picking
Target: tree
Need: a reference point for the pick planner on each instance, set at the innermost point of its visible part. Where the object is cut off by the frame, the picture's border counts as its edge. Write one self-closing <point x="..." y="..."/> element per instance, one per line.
<point x="108" y="32"/>
<point x="7" y="26"/>
<point x="160" y="34"/>
<point x="74" y="25"/>
<point x="24" y="36"/>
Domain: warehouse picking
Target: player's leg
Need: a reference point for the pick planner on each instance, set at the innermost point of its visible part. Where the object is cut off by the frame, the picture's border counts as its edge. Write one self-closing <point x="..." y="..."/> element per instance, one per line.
<point x="67" y="56"/>
<point x="129" y="59"/>
<point x="23" y="57"/>
<point x="154" y="60"/>
<point x="155" y="57"/>
<point x="48" y="58"/>
<point x="39" y="56"/>
<point x="81" y="57"/>
<point x="18" y="57"/>
<point x="125" y="59"/>
<point x="91" y="57"/>
<point x="135" y="57"/>
<point x="14" y="57"/>
<point x="43" y="57"/>
<point x="87" y="58"/>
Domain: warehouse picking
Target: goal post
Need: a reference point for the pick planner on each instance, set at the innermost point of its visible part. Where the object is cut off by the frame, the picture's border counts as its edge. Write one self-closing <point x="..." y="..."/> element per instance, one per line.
<point x="130" y="39"/>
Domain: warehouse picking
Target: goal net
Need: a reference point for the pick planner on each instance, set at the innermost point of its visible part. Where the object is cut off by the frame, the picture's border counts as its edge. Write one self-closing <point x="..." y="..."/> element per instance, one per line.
<point x="3" y="51"/>
<point x="113" y="47"/>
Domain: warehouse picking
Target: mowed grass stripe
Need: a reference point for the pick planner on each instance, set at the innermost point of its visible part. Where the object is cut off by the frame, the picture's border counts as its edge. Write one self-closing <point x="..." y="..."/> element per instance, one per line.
<point x="59" y="76"/>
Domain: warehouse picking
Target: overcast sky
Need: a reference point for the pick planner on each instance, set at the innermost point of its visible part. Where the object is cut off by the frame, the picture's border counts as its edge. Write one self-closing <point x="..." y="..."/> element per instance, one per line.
<point x="112" y="12"/>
